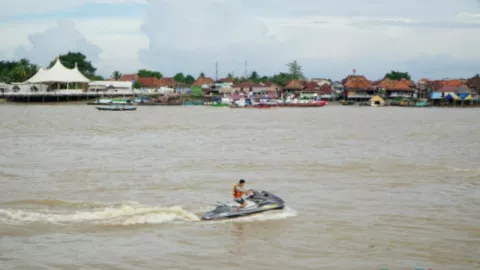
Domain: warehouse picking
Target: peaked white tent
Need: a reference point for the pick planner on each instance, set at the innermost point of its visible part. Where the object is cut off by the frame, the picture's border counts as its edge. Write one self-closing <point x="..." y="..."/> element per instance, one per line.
<point x="58" y="73"/>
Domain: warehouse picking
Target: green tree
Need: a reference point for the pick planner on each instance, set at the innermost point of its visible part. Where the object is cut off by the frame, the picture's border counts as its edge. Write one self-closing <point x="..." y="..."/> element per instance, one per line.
<point x="97" y="78"/>
<point x="264" y="79"/>
<point x="477" y="76"/>
<point x="17" y="71"/>
<point x="144" y="73"/>
<point x="237" y="80"/>
<point x="137" y="85"/>
<point x="202" y="75"/>
<point x="282" y="78"/>
<point x="254" y="76"/>
<point x="295" y="70"/>
<point x="397" y="75"/>
<point x="189" y="80"/>
<point x="179" y="77"/>
<point x="71" y="58"/>
<point x="116" y="75"/>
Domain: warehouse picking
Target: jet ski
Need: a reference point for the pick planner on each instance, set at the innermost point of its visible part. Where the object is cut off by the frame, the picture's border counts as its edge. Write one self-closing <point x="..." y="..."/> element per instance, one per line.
<point x="257" y="202"/>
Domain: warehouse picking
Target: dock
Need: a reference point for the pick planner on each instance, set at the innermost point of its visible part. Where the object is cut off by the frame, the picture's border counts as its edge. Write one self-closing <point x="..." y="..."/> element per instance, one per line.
<point x="69" y="95"/>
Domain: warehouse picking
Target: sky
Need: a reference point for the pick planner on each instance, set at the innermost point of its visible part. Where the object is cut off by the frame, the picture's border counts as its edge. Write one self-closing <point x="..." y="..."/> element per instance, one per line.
<point x="329" y="38"/>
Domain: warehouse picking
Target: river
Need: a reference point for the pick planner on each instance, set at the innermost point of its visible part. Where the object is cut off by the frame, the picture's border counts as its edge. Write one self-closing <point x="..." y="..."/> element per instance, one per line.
<point x="365" y="188"/>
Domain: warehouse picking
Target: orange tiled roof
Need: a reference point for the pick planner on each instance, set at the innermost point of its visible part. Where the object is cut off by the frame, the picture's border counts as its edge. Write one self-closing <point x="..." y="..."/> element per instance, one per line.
<point x="357" y="82"/>
<point x="148" y="82"/>
<point x="128" y="77"/>
<point x="203" y="80"/>
<point x="166" y="82"/>
<point x="456" y="83"/>
<point x="392" y="85"/>
<point x="402" y="85"/>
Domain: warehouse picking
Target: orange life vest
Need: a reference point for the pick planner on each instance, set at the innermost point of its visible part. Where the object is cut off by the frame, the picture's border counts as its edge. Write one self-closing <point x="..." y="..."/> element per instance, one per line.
<point x="236" y="194"/>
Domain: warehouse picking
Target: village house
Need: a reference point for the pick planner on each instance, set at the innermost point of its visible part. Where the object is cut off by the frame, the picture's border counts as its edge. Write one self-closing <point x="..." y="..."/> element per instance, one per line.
<point x="202" y="86"/>
<point x="395" y="88"/>
<point x="358" y="88"/>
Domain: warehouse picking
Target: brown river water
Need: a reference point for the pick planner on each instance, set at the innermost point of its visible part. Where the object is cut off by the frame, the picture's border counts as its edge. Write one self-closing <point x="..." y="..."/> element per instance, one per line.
<point x="365" y="188"/>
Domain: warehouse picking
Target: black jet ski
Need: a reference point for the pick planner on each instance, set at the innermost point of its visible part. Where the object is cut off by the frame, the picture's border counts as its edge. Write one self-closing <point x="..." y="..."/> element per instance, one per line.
<point x="257" y="202"/>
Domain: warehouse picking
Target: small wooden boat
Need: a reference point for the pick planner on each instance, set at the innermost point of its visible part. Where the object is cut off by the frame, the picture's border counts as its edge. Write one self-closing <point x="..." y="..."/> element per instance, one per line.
<point x="220" y="105"/>
<point x="117" y="108"/>
<point x="422" y="103"/>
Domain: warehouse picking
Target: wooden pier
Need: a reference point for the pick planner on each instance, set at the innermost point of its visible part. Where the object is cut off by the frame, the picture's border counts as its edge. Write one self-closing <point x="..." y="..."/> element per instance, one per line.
<point x="68" y="95"/>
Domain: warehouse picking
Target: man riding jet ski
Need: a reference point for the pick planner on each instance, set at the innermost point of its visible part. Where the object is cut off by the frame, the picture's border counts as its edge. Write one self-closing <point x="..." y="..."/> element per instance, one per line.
<point x="257" y="202"/>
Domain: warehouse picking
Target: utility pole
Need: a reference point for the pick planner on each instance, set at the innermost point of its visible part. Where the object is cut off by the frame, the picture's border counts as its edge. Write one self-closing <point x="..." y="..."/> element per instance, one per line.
<point x="216" y="71"/>
<point x="246" y="70"/>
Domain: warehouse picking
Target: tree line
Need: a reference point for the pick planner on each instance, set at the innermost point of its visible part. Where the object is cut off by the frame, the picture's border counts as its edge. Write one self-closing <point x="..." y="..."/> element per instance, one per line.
<point x="282" y="78"/>
<point x="22" y="70"/>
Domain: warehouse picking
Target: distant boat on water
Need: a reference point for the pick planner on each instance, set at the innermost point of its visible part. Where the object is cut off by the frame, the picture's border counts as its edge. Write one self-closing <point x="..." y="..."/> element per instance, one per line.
<point x="112" y="101"/>
<point x="117" y="108"/>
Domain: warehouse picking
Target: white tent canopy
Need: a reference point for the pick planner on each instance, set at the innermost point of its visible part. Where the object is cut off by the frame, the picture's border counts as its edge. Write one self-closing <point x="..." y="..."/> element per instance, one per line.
<point x="58" y="73"/>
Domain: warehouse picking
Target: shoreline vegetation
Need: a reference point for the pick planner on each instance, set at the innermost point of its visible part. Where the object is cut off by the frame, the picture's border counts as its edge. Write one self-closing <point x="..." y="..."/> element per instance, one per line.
<point x="148" y="87"/>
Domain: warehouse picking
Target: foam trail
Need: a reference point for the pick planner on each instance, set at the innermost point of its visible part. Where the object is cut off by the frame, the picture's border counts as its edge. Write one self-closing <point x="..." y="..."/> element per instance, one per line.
<point x="122" y="214"/>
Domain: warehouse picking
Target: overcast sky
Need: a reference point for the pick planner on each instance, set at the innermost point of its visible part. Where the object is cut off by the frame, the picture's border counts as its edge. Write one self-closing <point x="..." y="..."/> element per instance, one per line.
<point x="428" y="38"/>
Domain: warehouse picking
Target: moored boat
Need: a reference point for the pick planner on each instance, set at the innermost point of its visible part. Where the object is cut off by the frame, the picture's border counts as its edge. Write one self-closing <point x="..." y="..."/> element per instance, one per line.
<point x="219" y="105"/>
<point x="110" y="101"/>
<point x="320" y="103"/>
<point x="101" y="101"/>
<point x="116" y="108"/>
<point x="422" y="103"/>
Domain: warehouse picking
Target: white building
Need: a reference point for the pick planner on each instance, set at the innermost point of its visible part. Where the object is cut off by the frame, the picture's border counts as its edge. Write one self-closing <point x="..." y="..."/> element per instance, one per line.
<point x="97" y="86"/>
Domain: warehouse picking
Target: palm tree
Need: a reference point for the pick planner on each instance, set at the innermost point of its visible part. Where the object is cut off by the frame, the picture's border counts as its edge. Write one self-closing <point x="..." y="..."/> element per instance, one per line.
<point x="116" y="75"/>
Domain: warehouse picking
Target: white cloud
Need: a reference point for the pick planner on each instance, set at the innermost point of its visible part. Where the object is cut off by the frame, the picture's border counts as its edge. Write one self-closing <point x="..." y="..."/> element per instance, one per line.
<point x="192" y="36"/>
<point x="328" y="37"/>
<point x="120" y="40"/>
<point x="62" y="38"/>
<point x="23" y="7"/>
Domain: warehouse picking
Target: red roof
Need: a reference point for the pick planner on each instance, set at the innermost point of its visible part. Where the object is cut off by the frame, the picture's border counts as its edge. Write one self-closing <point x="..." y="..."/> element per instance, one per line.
<point x="167" y="82"/>
<point x="447" y="88"/>
<point x="203" y="80"/>
<point x="226" y="80"/>
<point x="357" y="82"/>
<point x="434" y="85"/>
<point x="128" y="77"/>
<point x="456" y="83"/>
<point x="148" y="82"/>
<point x="154" y="82"/>
<point x="310" y="86"/>
<point x="325" y="89"/>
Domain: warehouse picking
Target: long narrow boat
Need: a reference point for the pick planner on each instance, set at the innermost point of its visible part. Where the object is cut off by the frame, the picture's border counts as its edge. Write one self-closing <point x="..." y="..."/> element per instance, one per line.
<point x="116" y="108"/>
<point x="306" y="105"/>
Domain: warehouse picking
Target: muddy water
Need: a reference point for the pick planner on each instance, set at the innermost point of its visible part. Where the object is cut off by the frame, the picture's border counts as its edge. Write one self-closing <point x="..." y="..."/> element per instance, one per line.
<point x="366" y="188"/>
